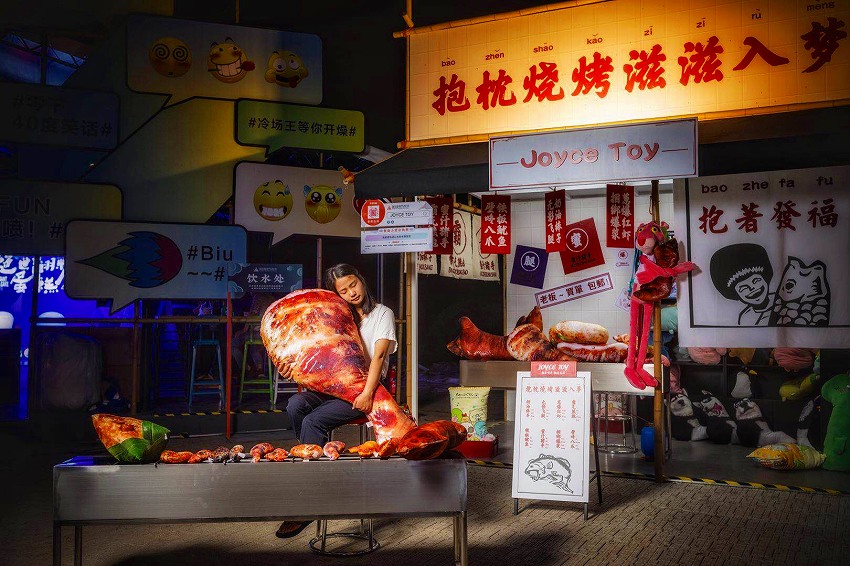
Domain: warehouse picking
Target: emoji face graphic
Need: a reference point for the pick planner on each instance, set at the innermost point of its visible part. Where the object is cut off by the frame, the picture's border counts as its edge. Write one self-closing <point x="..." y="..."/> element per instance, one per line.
<point x="227" y="62"/>
<point x="170" y="57"/>
<point x="272" y="200"/>
<point x="285" y="68"/>
<point x="322" y="202"/>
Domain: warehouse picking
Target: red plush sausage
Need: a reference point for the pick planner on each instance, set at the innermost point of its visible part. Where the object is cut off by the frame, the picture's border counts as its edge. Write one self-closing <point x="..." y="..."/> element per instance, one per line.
<point x="306" y="451"/>
<point x="277" y="455"/>
<point x="172" y="457"/>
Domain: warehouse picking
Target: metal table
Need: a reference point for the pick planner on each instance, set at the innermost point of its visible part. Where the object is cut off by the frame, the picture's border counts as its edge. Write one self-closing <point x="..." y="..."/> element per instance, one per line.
<point x="96" y="490"/>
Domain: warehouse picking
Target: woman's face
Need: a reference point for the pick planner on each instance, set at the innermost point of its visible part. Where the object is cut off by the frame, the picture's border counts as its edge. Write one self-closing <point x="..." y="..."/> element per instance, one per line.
<point x="752" y="290"/>
<point x="350" y="288"/>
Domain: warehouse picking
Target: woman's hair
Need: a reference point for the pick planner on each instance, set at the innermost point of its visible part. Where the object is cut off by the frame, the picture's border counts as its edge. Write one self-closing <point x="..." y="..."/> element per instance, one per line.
<point x="341" y="270"/>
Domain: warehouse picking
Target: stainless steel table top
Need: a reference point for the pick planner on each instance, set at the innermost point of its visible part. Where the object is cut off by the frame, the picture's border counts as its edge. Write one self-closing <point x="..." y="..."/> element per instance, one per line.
<point x="90" y="490"/>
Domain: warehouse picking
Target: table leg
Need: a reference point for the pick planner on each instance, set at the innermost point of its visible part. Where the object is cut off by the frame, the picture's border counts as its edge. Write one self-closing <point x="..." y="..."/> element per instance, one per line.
<point x="585" y="511"/>
<point x="78" y="546"/>
<point x="57" y="544"/>
<point x="464" y="558"/>
<point x="516" y="506"/>
<point x="456" y="536"/>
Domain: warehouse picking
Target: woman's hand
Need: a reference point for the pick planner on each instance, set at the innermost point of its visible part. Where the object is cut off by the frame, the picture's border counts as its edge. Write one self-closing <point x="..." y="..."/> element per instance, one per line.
<point x="363" y="402"/>
<point x="286" y="370"/>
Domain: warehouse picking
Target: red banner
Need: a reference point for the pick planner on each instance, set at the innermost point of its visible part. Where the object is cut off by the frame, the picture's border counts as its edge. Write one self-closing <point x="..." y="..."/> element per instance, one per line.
<point x="443" y="226"/>
<point x="620" y="211"/>
<point x="496" y="224"/>
<point x="556" y="221"/>
<point x="583" y="249"/>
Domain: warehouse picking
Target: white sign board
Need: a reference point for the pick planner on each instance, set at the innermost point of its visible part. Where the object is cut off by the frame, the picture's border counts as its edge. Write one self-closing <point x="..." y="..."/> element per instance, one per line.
<point x="771" y="249"/>
<point x="396" y="240"/>
<point x="658" y="150"/>
<point x="552" y="438"/>
<point x="417" y="213"/>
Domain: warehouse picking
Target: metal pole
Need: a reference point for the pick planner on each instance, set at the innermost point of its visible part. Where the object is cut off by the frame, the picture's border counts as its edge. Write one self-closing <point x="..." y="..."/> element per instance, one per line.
<point x="228" y="431"/>
<point x="413" y="334"/>
<point x="134" y="393"/>
<point x="658" y="399"/>
<point x="319" y="262"/>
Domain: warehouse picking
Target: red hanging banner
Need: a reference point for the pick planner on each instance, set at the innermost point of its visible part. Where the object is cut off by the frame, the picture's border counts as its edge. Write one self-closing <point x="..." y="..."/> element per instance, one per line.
<point x="496" y="224"/>
<point x="583" y="249"/>
<point x="443" y="226"/>
<point x="620" y="211"/>
<point x="556" y="217"/>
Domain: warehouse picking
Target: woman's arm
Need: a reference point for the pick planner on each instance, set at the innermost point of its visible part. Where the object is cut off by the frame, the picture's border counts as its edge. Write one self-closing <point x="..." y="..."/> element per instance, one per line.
<point x="363" y="402"/>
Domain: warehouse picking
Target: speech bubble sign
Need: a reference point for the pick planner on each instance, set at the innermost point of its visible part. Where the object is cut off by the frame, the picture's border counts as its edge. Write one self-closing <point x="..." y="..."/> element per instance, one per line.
<point x="274" y="125"/>
<point x="294" y="200"/>
<point x="125" y="261"/>
<point x="186" y="59"/>
<point x="52" y="115"/>
<point x="33" y="214"/>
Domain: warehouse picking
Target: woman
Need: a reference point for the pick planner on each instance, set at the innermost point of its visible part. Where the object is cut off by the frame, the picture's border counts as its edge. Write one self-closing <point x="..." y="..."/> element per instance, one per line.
<point x="314" y="415"/>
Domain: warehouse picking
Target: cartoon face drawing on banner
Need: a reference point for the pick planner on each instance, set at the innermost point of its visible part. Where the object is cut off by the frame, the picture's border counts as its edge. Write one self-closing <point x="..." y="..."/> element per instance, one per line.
<point x="742" y="272"/>
<point x="170" y="57"/>
<point x="802" y="298"/>
<point x="285" y="68"/>
<point x="322" y="202"/>
<point x="228" y="62"/>
<point x="273" y="200"/>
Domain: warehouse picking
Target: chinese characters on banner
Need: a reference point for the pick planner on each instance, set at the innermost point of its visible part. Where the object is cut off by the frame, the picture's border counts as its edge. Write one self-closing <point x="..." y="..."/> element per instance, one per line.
<point x="719" y="57"/>
<point x="552" y="438"/>
<point x="772" y="248"/>
<point x="556" y="221"/>
<point x="485" y="267"/>
<point x="620" y="211"/>
<point x="443" y="225"/>
<point x="460" y="263"/>
<point x="496" y="224"/>
<point x="426" y="263"/>
<point x="576" y="290"/>
<point x="583" y="248"/>
<point x="529" y="266"/>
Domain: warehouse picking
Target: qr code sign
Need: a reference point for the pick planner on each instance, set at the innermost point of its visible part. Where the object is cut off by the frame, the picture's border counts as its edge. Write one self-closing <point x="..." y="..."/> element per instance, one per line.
<point x="373" y="212"/>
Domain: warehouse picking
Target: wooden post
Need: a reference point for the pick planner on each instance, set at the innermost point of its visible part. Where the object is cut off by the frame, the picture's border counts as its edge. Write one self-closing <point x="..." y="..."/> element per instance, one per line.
<point x="228" y="429"/>
<point x="658" y="399"/>
<point x="134" y="393"/>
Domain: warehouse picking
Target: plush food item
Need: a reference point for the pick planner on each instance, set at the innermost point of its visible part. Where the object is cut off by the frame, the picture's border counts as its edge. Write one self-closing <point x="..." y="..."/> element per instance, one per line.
<point x="752" y="429"/>
<point x="787" y="456"/>
<point x="333" y="448"/>
<point x="528" y="343"/>
<point x="368" y="449"/>
<point x="535" y="317"/>
<point x="277" y="455"/>
<point x="836" y="445"/>
<point x="431" y="439"/>
<point x="609" y="353"/>
<point x="312" y="331"/>
<point x="687" y="422"/>
<point x="200" y="456"/>
<point x="475" y="344"/>
<point x="306" y="451"/>
<point x="742" y="389"/>
<point x="793" y="359"/>
<point x="172" y="457"/>
<point x="129" y="440"/>
<point x="706" y="355"/>
<point x="237" y="453"/>
<point x="469" y="408"/>
<point x="260" y="450"/>
<point x="578" y="332"/>
<point x="388" y="448"/>
<point x="220" y="454"/>
<point x="799" y="388"/>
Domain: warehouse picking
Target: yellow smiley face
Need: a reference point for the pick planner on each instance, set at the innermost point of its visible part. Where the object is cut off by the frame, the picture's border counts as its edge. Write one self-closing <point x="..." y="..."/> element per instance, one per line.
<point x="285" y="68"/>
<point x="322" y="202"/>
<point x="273" y="201"/>
<point x="170" y="57"/>
<point x="228" y="62"/>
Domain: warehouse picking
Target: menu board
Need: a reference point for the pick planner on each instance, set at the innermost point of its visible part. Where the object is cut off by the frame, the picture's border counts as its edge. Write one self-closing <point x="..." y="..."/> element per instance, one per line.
<point x="552" y="438"/>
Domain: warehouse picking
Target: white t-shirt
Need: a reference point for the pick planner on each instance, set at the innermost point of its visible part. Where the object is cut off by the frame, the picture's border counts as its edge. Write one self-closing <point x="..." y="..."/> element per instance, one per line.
<point x="378" y="324"/>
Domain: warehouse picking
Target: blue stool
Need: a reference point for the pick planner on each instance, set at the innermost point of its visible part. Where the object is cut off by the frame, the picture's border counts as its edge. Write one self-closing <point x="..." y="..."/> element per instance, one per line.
<point x="205" y="386"/>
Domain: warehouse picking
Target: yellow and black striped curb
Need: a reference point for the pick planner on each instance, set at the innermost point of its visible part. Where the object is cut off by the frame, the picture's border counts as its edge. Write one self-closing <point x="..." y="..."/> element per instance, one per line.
<point x="216" y="413"/>
<point x="683" y="479"/>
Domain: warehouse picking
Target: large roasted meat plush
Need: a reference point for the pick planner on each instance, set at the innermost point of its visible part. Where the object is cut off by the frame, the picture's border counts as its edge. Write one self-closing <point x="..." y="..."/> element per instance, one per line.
<point x="313" y="331"/>
<point x="131" y="441"/>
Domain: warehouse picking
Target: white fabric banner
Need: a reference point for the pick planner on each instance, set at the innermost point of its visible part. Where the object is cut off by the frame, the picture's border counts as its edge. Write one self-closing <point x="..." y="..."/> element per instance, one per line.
<point x="485" y="266"/>
<point x="460" y="263"/>
<point x="772" y="251"/>
<point x="426" y="264"/>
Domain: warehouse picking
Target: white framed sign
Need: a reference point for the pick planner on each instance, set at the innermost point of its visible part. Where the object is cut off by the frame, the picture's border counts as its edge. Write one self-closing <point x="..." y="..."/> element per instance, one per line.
<point x="377" y="214"/>
<point x="657" y="150"/>
<point x="552" y="434"/>
<point x="396" y="240"/>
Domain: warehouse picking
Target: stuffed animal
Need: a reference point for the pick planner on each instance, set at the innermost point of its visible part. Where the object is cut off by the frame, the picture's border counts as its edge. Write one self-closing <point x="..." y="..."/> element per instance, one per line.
<point x="798" y="388"/>
<point x="753" y="430"/>
<point x="687" y="422"/>
<point x="653" y="282"/>
<point x="836" y="445"/>
<point x="720" y="426"/>
<point x="742" y="389"/>
<point x="787" y="457"/>
<point x="807" y="417"/>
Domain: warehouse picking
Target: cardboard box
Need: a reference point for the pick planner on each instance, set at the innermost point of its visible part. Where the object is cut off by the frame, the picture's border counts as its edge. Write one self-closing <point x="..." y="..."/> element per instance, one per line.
<point x="479" y="448"/>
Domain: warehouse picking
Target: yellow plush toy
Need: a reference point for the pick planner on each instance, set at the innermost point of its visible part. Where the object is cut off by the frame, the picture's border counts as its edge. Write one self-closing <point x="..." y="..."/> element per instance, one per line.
<point x="798" y="388"/>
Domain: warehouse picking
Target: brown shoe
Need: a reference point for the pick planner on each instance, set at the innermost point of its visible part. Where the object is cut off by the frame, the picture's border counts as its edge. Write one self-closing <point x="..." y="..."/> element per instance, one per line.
<point x="289" y="529"/>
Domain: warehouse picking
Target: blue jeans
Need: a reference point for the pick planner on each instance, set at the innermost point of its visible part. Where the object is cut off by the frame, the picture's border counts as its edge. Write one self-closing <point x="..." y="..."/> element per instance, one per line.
<point x="314" y="415"/>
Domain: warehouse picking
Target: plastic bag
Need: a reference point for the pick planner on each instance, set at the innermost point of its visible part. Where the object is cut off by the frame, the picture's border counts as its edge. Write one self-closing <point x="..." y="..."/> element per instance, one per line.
<point x="469" y="408"/>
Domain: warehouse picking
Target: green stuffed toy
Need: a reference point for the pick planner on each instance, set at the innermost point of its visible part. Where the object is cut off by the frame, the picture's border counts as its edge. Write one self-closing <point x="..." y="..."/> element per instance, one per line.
<point x="836" y="446"/>
<point x="798" y="388"/>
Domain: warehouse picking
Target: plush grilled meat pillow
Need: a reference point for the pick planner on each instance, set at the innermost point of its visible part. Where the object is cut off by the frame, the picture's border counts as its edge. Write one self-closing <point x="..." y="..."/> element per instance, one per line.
<point x="130" y="440"/>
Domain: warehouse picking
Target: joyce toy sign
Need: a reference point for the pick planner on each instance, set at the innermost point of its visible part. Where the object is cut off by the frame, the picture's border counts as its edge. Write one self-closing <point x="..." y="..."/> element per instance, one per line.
<point x="608" y="62"/>
<point x="125" y="261"/>
<point x="772" y="248"/>
<point x="662" y="150"/>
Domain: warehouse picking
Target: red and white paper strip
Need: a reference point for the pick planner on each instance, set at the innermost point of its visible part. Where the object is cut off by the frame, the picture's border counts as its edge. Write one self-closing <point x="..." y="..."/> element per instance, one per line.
<point x="556" y="216"/>
<point x="443" y="226"/>
<point x="496" y="224"/>
<point x="620" y="211"/>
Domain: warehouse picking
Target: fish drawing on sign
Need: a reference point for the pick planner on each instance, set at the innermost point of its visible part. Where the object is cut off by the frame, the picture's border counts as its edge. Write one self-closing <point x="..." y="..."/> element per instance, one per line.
<point x="802" y="298"/>
<point x="552" y="469"/>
